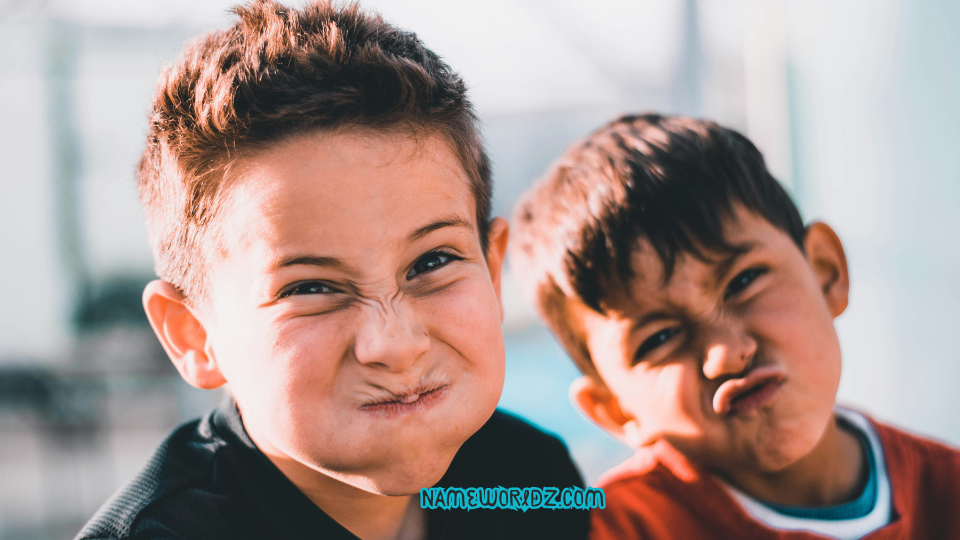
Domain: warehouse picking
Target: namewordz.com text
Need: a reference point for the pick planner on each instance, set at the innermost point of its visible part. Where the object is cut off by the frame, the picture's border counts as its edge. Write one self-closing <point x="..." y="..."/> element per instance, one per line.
<point x="523" y="499"/>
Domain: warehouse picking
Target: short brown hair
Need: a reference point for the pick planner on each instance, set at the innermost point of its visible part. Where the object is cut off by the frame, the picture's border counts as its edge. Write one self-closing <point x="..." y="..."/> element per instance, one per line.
<point x="670" y="180"/>
<point x="280" y="72"/>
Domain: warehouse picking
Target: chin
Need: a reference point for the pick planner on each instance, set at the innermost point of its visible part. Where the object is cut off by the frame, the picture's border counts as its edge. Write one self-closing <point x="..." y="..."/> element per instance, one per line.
<point x="408" y="477"/>
<point x="778" y="459"/>
<point x="784" y="447"/>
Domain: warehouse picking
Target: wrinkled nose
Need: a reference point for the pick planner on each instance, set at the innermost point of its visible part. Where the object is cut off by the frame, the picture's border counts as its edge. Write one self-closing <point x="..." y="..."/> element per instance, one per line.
<point x="728" y="350"/>
<point x="389" y="336"/>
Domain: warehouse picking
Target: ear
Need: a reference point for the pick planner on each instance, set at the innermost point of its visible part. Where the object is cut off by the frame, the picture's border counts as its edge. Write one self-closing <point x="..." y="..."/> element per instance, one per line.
<point x="598" y="403"/>
<point x="182" y="334"/>
<point x="825" y="255"/>
<point x="497" y="237"/>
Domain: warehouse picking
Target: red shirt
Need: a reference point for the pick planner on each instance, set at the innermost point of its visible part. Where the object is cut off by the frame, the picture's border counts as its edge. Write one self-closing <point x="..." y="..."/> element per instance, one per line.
<point x="659" y="494"/>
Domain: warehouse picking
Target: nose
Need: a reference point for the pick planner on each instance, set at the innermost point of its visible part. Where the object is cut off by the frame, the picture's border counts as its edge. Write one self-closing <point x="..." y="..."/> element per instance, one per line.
<point x="389" y="336"/>
<point x="728" y="349"/>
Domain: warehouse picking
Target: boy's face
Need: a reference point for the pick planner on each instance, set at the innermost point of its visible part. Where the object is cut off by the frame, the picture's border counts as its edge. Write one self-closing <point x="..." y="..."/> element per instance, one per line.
<point x="352" y="310"/>
<point x="735" y="361"/>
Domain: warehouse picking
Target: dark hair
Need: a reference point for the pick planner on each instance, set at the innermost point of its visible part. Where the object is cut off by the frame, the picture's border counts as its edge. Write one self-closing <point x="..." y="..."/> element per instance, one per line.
<point x="277" y="73"/>
<point x="670" y="180"/>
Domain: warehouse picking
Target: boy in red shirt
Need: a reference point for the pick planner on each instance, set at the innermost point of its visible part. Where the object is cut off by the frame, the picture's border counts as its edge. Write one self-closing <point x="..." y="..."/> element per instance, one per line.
<point x="680" y="278"/>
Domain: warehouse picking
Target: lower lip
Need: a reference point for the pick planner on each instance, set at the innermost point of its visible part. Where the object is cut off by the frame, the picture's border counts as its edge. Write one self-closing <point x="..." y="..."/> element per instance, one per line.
<point x="397" y="409"/>
<point x="755" y="398"/>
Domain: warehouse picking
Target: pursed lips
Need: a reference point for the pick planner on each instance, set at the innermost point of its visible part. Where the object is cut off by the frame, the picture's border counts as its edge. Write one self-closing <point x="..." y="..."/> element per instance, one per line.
<point x="756" y="388"/>
<point x="394" y="403"/>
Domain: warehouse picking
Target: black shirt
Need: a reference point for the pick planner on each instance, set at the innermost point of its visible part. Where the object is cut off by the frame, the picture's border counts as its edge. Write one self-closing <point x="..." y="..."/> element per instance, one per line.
<point x="208" y="481"/>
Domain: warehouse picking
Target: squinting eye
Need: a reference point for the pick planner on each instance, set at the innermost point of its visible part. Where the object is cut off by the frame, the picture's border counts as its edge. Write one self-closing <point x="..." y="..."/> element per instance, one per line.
<point x="308" y="287"/>
<point x="743" y="280"/>
<point x="431" y="261"/>
<point x="655" y="341"/>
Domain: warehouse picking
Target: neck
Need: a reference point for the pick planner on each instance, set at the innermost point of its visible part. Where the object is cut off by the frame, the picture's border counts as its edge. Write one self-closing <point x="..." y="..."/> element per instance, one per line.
<point x="833" y="473"/>
<point x="369" y="516"/>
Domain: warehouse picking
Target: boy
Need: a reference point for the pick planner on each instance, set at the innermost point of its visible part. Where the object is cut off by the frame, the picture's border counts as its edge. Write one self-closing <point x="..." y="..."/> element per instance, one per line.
<point x="679" y="276"/>
<point x="318" y="201"/>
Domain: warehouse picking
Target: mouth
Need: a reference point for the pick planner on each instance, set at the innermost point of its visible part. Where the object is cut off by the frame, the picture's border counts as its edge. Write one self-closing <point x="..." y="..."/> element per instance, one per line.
<point x="399" y="404"/>
<point x="757" y="389"/>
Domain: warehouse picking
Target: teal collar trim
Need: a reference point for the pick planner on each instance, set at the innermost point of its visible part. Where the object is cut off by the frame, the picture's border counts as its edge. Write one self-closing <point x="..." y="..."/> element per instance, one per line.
<point x="856" y="508"/>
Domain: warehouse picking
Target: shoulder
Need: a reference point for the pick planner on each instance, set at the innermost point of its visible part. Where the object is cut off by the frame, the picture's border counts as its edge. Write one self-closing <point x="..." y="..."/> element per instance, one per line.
<point x="509" y="449"/>
<point x="631" y="497"/>
<point x="637" y="489"/>
<point x="918" y="459"/>
<point x="505" y="427"/>
<point x="510" y="452"/>
<point x="658" y="468"/>
<point x="170" y="484"/>
<point x="903" y="442"/>
<point x="636" y="470"/>
<point x="658" y="493"/>
<point x="925" y="482"/>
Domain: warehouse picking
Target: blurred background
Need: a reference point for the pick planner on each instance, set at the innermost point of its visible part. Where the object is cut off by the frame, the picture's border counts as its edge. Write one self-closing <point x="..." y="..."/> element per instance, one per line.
<point x="855" y="104"/>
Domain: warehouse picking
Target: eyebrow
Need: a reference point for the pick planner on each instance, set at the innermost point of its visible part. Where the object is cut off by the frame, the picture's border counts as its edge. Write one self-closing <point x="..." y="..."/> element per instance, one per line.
<point x="722" y="267"/>
<point x="651" y="317"/>
<point x="453" y="221"/>
<point x="333" y="262"/>
<point x="322" y="262"/>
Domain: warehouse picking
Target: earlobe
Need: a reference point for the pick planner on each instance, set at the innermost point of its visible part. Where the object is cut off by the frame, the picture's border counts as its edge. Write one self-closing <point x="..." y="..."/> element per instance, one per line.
<point x="497" y="239"/>
<point x="598" y="403"/>
<point x="825" y="254"/>
<point x="182" y="335"/>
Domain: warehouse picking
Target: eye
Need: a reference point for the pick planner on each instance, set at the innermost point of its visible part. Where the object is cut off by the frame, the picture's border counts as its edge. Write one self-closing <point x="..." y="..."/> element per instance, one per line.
<point x="307" y="287"/>
<point x="743" y="280"/>
<point x="430" y="262"/>
<point x="655" y="341"/>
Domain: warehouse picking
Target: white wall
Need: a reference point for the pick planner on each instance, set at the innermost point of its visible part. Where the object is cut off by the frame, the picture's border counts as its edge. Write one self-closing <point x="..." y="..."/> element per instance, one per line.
<point x="33" y="321"/>
<point x="877" y="115"/>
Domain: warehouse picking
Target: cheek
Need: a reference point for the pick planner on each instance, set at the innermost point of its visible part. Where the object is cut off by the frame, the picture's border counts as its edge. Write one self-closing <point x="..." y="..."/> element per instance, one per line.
<point x="464" y="327"/>
<point x="287" y="368"/>
<point x="678" y="395"/>
<point x="666" y="400"/>
<point x="308" y="351"/>
<point x="466" y="317"/>
<point x="795" y="326"/>
<point x="796" y="331"/>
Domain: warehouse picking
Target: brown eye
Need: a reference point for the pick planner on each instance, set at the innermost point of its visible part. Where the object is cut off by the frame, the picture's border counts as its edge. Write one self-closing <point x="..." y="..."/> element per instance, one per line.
<point x="655" y="341"/>
<point x="307" y="287"/>
<point x="430" y="262"/>
<point x="743" y="280"/>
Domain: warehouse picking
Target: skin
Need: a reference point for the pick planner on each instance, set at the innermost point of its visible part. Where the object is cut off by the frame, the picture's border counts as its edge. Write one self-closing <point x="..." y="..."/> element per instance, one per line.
<point x="349" y="278"/>
<point x="664" y="349"/>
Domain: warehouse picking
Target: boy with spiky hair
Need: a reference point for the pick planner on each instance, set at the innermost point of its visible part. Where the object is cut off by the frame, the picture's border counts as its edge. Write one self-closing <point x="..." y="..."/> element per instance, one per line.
<point x="679" y="276"/>
<point x="318" y="203"/>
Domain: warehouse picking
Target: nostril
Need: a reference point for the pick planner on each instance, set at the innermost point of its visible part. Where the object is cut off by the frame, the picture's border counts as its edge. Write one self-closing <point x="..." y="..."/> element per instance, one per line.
<point x="721" y="361"/>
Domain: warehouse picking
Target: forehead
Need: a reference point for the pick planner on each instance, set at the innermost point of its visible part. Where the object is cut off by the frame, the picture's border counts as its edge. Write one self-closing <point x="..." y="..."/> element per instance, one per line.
<point x="344" y="191"/>
<point x="693" y="276"/>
